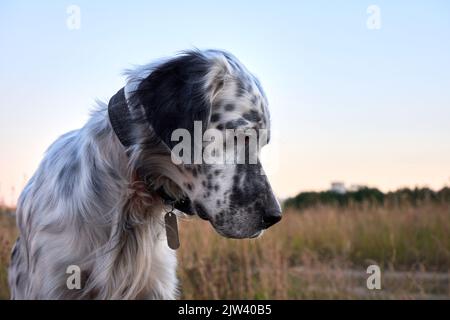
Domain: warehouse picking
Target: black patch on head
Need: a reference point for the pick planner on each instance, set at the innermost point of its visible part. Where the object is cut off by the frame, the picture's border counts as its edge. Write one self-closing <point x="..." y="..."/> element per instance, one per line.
<point x="218" y="202"/>
<point x="241" y="88"/>
<point x="252" y="116"/>
<point x="173" y="95"/>
<point x="215" y="117"/>
<point x="189" y="186"/>
<point x="216" y="187"/>
<point x="220" y="126"/>
<point x="216" y="172"/>
<point x="234" y="124"/>
<point x="229" y="107"/>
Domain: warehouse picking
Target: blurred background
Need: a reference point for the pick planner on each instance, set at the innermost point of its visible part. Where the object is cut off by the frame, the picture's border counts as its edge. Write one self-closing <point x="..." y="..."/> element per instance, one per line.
<point x="360" y="155"/>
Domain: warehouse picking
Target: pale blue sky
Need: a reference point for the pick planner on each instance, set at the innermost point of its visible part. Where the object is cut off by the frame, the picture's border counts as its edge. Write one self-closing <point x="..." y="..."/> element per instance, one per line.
<point x="348" y="103"/>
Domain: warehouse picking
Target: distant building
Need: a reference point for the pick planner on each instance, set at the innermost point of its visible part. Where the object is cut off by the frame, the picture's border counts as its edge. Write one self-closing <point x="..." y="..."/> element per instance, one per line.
<point x="356" y="187"/>
<point x="338" y="187"/>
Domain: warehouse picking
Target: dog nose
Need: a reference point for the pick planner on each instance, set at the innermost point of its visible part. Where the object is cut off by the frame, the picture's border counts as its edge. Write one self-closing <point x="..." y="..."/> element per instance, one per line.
<point x="271" y="217"/>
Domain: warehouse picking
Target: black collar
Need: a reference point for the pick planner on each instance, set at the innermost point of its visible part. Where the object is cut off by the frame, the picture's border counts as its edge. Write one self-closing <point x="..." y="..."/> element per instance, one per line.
<point x="120" y="118"/>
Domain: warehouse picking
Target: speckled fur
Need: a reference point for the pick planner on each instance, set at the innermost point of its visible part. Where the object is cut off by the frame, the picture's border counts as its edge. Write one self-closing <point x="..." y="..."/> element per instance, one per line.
<point x="84" y="205"/>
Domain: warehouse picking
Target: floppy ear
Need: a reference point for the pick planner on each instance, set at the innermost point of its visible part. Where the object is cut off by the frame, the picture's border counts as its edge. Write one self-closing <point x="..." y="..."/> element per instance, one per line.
<point x="174" y="95"/>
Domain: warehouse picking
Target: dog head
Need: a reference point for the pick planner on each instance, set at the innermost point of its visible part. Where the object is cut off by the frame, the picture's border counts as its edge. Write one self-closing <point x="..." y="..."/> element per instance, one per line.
<point x="221" y="109"/>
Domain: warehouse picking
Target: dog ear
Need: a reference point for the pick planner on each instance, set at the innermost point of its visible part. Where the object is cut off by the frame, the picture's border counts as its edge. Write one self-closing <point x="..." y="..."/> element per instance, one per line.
<point x="175" y="94"/>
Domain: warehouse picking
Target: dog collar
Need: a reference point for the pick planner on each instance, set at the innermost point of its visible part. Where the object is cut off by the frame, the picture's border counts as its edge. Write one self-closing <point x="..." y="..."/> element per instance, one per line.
<point x="120" y="118"/>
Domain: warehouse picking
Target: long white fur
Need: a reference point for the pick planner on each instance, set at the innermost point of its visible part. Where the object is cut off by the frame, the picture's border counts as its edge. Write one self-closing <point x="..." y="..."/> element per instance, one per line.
<point x="86" y="228"/>
<point x="84" y="207"/>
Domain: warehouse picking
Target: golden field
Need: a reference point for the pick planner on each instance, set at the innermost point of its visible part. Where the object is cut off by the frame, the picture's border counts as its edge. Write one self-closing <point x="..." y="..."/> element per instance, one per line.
<point x="318" y="253"/>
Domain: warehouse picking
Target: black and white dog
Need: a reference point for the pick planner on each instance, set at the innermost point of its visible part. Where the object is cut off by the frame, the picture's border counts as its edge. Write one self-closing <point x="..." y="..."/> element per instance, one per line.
<point x="98" y="198"/>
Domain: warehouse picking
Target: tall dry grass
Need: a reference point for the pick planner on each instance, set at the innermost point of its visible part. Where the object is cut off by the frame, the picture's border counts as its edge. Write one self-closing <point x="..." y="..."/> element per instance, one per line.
<point x="8" y="234"/>
<point x="317" y="253"/>
<point x="322" y="253"/>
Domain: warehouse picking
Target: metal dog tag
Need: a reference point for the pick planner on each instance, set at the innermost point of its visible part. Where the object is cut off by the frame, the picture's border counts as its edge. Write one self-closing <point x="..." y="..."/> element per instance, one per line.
<point x="173" y="240"/>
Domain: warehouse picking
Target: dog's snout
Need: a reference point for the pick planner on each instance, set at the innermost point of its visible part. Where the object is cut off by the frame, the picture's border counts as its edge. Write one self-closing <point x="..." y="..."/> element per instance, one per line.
<point x="271" y="217"/>
<point x="272" y="211"/>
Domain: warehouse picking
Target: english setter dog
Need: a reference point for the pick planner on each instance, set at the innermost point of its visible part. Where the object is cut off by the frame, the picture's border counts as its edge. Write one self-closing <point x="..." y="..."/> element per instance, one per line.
<point x="98" y="198"/>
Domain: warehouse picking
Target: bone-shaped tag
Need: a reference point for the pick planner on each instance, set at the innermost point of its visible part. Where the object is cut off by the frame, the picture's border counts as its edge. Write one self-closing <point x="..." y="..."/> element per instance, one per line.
<point x="173" y="240"/>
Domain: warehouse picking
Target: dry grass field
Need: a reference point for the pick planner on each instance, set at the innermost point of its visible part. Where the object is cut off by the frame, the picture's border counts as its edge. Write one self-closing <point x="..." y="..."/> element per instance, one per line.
<point x="323" y="253"/>
<point x="319" y="253"/>
<point x="8" y="234"/>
